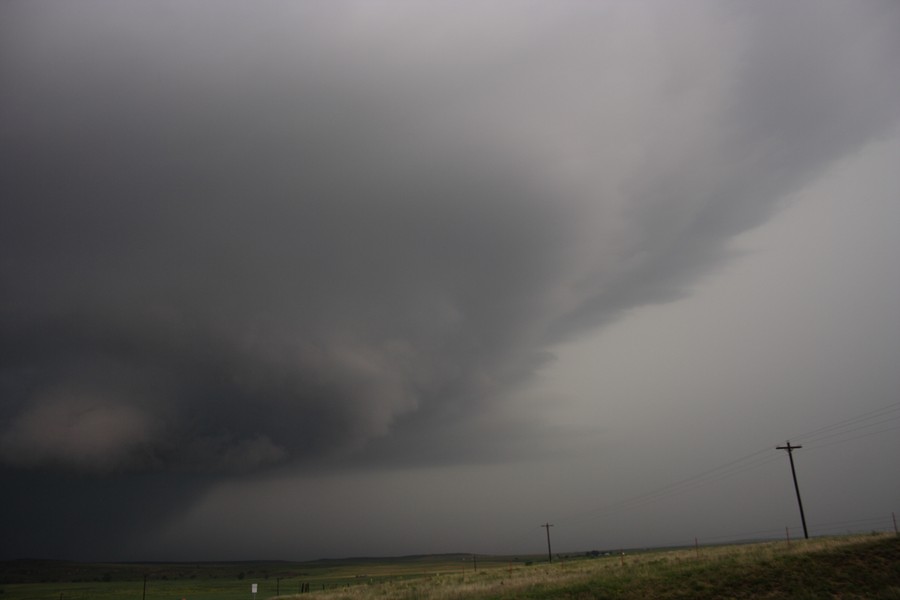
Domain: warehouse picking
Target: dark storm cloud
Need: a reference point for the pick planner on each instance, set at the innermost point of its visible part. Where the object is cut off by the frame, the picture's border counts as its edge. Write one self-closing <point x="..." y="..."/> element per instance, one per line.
<point x="233" y="238"/>
<point x="223" y="250"/>
<point x="209" y="268"/>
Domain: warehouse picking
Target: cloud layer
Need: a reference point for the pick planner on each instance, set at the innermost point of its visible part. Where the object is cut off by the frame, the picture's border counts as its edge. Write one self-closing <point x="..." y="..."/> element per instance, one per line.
<point x="236" y="239"/>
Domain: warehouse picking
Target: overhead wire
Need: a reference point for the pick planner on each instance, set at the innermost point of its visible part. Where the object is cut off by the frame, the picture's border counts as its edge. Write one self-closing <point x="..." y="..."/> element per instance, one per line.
<point x="840" y="426"/>
<point x="750" y="461"/>
<point x="815" y="446"/>
<point x="728" y="469"/>
<point x="851" y="430"/>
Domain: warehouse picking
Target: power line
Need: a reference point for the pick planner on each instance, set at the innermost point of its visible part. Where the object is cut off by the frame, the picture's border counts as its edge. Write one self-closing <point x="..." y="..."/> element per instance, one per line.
<point x="690" y="484"/>
<point x="856" y="437"/>
<point x="851" y="430"/>
<point x="872" y="414"/>
<point x="727" y="469"/>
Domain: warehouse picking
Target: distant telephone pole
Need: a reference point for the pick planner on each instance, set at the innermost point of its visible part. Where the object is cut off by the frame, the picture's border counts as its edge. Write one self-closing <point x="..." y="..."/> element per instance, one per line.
<point x="790" y="450"/>
<point x="547" y="526"/>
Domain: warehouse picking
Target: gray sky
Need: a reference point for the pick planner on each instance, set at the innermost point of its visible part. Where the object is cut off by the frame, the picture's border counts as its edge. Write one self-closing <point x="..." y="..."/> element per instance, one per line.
<point x="293" y="280"/>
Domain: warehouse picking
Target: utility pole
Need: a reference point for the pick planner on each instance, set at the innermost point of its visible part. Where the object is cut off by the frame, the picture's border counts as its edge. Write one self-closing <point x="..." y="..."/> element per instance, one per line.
<point x="547" y="526"/>
<point x="790" y="450"/>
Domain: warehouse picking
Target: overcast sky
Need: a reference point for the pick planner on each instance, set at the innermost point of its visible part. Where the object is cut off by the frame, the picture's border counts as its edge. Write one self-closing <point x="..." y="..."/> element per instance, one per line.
<point x="306" y="279"/>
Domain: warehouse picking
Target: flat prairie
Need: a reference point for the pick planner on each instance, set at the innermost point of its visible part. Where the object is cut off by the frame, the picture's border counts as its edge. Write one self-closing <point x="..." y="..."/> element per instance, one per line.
<point x="847" y="567"/>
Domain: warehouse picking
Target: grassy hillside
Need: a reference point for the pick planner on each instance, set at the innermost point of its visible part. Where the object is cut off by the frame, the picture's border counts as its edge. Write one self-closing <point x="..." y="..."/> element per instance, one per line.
<point x="869" y="569"/>
<point x="846" y="568"/>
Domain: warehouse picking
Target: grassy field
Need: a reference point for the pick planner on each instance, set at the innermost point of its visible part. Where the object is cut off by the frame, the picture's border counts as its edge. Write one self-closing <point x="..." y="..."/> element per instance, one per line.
<point x="845" y="567"/>
<point x="61" y="580"/>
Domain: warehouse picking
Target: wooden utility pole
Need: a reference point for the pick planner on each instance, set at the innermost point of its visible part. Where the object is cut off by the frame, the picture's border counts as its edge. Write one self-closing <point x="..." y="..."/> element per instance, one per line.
<point x="790" y="450"/>
<point x="547" y="526"/>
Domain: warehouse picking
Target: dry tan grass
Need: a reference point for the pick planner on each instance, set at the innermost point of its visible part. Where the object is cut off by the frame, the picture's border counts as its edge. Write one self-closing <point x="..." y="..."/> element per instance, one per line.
<point x="519" y="580"/>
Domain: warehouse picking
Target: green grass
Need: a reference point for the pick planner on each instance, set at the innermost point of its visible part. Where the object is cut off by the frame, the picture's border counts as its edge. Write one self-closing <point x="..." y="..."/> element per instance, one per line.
<point x="847" y="567"/>
<point x="56" y="580"/>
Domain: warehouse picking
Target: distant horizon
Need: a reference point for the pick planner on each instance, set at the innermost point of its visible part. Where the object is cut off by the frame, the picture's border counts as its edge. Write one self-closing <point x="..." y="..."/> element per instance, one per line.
<point x="515" y="555"/>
